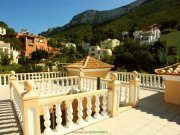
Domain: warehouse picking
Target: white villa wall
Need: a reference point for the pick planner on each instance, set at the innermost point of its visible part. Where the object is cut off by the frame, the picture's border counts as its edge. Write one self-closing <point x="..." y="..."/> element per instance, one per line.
<point x="5" y="48"/>
<point x="147" y="37"/>
<point x="2" y="31"/>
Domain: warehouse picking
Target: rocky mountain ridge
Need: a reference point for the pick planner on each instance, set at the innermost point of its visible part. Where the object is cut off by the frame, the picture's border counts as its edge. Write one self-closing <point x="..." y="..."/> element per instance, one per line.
<point x="97" y="17"/>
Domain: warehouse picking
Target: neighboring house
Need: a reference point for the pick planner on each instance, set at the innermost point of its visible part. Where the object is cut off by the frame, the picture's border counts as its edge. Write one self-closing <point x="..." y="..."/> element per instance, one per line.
<point x="97" y="52"/>
<point x="85" y="46"/>
<point x="31" y="43"/>
<point x="124" y="35"/>
<point x="2" y="31"/>
<point x="53" y="50"/>
<point x="110" y="43"/>
<point x="148" y="35"/>
<point x="90" y="67"/>
<point x="5" y="48"/>
<point x="172" y="45"/>
<point x="69" y="45"/>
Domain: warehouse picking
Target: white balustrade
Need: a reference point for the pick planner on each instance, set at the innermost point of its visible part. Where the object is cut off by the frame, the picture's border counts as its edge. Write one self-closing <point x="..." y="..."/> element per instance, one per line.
<point x="17" y="102"/>
<point x="147" y="80"/>
<point x="4" y="78"/>
<point x="71" y="113"/>
<point x="62" y="85"/>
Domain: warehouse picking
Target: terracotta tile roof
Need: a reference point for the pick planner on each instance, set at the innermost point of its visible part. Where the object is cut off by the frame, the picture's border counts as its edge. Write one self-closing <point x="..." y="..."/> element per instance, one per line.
<point x="89" y="63"/>
<point x="169" y="70"/>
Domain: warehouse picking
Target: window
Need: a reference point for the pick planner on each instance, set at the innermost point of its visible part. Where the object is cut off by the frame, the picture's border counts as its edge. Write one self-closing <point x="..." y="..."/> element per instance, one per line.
<point x="92" y="49"/>
<point x="92" y="54"/>
<point x="172" y="50"/>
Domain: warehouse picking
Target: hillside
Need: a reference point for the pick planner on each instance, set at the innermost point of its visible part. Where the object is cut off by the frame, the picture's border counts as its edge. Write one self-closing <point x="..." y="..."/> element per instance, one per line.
<point x="151" y="11"/>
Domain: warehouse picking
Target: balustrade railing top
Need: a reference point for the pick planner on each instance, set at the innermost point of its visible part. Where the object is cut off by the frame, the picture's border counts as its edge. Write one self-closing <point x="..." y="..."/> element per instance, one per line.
<point x="146" y="80"/>
<point x="4" y="78"/>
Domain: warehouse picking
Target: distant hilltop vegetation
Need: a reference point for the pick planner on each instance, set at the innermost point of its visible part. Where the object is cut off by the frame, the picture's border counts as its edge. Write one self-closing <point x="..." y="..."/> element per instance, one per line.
<point x="139" y="13"/>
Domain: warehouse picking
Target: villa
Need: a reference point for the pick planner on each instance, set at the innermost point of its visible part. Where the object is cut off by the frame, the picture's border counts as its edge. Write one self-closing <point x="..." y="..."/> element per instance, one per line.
<point x="147" y="35"/>
<point x="97" y="52"/>
<point x="78" y="102"/>
<point x="7" y="49"/>
<point x="2" y="31"/>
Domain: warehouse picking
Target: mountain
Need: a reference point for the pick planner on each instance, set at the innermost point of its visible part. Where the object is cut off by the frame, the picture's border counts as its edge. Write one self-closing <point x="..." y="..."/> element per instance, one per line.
<point x="139" y="13"/>
<point x="97" y="17"/>
<point x="94" y="17"/>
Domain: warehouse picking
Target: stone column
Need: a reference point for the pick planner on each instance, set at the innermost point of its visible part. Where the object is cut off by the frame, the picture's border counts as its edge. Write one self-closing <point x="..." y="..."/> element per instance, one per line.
<point x="113" y="96"/>
<point x="134" y="90"/>
<point x="31" y="115"/>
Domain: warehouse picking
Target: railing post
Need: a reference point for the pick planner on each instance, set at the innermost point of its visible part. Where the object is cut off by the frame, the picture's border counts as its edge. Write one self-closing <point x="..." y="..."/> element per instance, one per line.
<point x="113" y="97"/>
<point x="31" y="119"/>
<point x="12" y="78"/>
<point x="134" y="90"/>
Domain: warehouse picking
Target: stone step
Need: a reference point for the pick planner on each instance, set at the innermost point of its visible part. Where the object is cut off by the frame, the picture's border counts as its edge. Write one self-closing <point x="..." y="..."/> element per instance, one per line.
<point x="9" y="124"/>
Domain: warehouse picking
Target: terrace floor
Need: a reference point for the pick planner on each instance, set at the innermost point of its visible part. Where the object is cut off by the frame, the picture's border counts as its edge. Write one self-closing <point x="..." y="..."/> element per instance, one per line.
<point x="152" y="117"/>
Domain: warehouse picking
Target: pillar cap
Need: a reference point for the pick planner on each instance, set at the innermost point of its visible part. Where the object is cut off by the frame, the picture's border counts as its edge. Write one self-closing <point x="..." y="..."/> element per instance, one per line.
<point x="28" y="85"/>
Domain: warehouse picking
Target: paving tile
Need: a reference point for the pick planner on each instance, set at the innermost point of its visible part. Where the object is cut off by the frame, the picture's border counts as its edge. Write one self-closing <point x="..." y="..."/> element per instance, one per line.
<point x="169" y="131"/>
<point x="174" y="125"/>
<point x="149" y="130"/>
<point x="109" y="125"/>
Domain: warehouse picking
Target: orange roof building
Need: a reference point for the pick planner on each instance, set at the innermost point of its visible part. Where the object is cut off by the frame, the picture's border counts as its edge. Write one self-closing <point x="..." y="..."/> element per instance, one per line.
<point x="90" y="67"/>
<point x="31" y="43"/>
<point x="171" y="76"/>
<point x="169" y="70"/>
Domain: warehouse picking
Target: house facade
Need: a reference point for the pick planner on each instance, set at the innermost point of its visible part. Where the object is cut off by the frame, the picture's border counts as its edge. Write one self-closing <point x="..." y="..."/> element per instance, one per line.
<point x="110" y="43"/>
<point x="2" y="31"/>
<point x="172" y="41"/>
<point x="97" y="52"/>
<point x="5" y="48"/>
<point x="85" y="46"/>
<point x="90" y="67"/>
<point x="32" y="43"/>
<point x="147" y="35"/>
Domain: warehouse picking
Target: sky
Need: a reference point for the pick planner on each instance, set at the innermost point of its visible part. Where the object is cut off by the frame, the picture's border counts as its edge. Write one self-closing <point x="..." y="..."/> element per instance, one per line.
<point x="39" y="15"/>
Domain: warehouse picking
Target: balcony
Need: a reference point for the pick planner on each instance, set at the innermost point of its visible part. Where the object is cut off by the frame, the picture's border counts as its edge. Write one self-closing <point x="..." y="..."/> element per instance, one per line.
<point x="64" y="106"/>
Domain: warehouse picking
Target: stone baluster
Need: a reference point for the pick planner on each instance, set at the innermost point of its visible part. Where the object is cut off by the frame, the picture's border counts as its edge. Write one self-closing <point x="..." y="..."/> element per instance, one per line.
<point x="69" y="113"/>
<point x="125" y="77"/>
<point x="80" y="111"/>
<point x="47" y="122"/>
<point x="89" y="108"/>
<point x="104" y="105"/>
<point x="151" y="81"/>
<point x="58" y="116"/>
<point x="126" y="94"/>
<point x="159" y="82"/>
<point x="143" y="77"/>
<point x="154" y="79"/>
<point x="97" y="108"/>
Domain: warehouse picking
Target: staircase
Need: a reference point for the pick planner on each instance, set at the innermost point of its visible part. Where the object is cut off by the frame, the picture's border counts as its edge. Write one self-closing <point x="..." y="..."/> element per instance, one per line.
<point x="9" y="124"/>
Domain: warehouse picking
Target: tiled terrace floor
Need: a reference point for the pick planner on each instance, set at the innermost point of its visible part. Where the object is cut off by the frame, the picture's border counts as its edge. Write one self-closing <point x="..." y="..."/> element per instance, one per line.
<point x="152" y="117"/>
